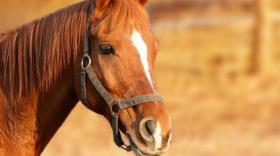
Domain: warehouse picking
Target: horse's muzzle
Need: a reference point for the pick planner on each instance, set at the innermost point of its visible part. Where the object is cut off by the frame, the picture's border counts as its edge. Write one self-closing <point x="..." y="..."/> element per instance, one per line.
<point x="151" y="140"/>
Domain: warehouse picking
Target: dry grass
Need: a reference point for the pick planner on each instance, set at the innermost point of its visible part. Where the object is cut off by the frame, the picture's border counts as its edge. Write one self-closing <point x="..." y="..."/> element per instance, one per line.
<point x="216" y="108"/>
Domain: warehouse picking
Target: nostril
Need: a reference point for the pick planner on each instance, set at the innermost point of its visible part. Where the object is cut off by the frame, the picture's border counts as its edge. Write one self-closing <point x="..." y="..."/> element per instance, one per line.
<point x="147" y="129"/>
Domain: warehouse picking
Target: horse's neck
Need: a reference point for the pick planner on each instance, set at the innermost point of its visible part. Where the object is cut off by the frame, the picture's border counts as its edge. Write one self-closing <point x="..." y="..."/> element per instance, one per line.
<point x="29" y="124"/>
<point x="53" y="109"/>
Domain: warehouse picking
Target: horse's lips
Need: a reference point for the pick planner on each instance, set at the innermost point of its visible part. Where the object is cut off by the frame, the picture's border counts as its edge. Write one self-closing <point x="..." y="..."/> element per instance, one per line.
<point x="138" y="150"/>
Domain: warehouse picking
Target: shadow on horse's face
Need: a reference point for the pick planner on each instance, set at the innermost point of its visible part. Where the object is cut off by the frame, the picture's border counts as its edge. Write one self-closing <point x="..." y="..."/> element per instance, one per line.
<point x="123" y="53"/>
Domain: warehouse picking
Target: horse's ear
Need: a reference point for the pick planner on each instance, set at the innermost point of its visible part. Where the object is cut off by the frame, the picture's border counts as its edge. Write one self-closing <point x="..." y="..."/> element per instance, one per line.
<point x="143" y="2"/>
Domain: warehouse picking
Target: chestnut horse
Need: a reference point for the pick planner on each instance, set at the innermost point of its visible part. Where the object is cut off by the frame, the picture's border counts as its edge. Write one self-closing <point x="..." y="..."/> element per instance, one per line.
<point x="101" y="52"/>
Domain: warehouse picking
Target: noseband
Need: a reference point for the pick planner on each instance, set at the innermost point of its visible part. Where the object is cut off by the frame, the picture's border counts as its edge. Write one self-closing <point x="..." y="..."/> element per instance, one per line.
<point x="114" y="105"/>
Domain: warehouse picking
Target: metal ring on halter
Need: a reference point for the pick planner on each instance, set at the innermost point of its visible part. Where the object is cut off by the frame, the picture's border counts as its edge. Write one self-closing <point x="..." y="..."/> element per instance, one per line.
<point x="86" y="61"/>
<point x="115" y="107"/>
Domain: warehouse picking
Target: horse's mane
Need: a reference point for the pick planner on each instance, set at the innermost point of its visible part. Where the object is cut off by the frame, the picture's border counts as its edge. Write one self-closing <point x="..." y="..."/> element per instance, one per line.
<point x="35" y="54"/>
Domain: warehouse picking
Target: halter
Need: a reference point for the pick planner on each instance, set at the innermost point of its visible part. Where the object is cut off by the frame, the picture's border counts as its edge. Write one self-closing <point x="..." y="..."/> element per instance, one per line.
<point x="114" y="105"/>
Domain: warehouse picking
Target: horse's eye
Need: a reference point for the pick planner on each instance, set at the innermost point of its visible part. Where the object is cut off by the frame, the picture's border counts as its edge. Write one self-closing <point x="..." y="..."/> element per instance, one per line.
<point x="106" y="49"/>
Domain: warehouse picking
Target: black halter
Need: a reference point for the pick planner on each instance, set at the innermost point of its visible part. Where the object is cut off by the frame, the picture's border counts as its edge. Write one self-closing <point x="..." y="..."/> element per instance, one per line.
<point x="115" y="106"/>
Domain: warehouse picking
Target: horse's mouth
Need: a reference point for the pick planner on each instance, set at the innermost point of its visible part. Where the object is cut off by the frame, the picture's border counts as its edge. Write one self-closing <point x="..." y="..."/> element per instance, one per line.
<point x="140" y="150"/>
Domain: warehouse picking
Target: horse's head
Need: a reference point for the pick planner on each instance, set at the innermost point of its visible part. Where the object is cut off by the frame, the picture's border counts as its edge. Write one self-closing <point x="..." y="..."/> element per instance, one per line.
<point x="122" y="52"/>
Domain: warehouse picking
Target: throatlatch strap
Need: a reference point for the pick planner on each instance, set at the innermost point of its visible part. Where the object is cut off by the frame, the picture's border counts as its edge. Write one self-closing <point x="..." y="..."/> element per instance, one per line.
<point x="83" y="88"/>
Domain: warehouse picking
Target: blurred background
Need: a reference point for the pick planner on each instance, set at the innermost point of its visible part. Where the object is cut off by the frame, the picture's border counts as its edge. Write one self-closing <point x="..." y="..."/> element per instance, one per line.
<point x="218" y="69"/>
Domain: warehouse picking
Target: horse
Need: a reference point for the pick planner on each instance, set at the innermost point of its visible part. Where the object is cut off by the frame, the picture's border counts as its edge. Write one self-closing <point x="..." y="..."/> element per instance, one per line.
<point x="100" y="52"/>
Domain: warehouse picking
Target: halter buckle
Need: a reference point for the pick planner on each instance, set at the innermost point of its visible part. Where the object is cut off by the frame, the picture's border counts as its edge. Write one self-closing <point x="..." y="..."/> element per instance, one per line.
<point x="86" y="61"/>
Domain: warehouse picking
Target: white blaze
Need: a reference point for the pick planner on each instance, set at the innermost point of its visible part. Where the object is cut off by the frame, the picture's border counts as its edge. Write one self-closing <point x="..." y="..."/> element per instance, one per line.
<point x="158" y="137"/>
<point x="142" y="49"/>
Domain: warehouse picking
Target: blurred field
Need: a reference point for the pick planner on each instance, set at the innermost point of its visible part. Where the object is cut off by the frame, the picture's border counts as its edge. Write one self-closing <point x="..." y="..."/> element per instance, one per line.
<point x="217" y="108"/>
